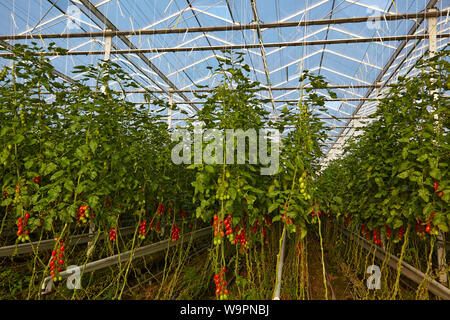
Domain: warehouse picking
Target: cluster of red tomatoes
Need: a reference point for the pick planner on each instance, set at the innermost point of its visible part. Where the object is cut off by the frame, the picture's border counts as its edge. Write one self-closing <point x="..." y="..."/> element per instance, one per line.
<point x="347" y="221"/>
<point x="160" y="209"/>
<point x="22" y="232"/>
<point x="57" y="261"/>
<point x="240" y="237"/>
<point x="388" y="231"/>
<point x="175" y="233"/>
<point x="112" y="234"/>
<point x="376" y="235"/>
<point x="37" y="179"/>
<point x="218" y="232"/>
<point x="255" y="227"/>
<point x="286" y="219"/>
<point x="228" y="228"/>
<point x="155" y="226"/>
<point x="142" y="231"/>
<point x="421" y="229"/>
<point x="82" y="214"/>
<point x="316" y="212"/>
<point x="221" y="284"/>
<point x="439" y="193"/>
<point x="265" y="234"/>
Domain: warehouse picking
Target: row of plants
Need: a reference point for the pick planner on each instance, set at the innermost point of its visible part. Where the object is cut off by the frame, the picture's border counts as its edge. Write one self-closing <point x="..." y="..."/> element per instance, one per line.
<point x="86" y="158"/>
<point x="391" y="186"/>
<point x="79" y="156"/>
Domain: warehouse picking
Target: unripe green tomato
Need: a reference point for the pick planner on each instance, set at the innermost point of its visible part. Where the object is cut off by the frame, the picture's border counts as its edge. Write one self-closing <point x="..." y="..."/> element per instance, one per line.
<point x="227" y="174"/>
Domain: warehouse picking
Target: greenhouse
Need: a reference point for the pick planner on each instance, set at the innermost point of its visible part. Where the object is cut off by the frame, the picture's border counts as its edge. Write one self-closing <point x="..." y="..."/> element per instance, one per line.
<point x="224" y="150"/>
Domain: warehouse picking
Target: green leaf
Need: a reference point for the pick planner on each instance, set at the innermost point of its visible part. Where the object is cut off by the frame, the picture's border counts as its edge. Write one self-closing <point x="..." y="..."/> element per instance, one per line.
<point x="209" y="168"/>
<point x="397" y="223"/>
<point x="82" y="152"/>
<point x="272" y="207"/>
<point x="404" y="153"/>
<point x="68" y="185"/>
<point x="93" y="145"/>
<point x="303" y="233"/>
<point x="423" y="157"/>
<point x="276" y="218"/>
<point x="403" y="175"/>
<point x="18" y="138"/>
<point x="424" y="194"/>
<point x="29" y="164"/>
<point x="48" y="168"/>
<point x="57" y="175"/>
<point x="436" y="173"/>
<point x="338" y="200"/>
<point x="93" y="200"/>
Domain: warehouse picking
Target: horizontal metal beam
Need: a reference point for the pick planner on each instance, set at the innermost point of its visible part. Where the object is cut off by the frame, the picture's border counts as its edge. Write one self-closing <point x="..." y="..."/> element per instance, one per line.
<point x="347" y="86"/>
<point x="242" y="46"/>
<point x="325" y="118"/>
<point x="45" y="245"/>
<point x="393" y="57"/>
<point x="280" y="101"/>
<point x="252" y="26"/>
<point x="47" y="284"/>
<point x="406" y="269"/>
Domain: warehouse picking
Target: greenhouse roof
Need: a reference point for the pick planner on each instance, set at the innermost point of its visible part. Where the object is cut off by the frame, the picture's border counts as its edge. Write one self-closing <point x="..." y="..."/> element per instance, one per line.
<point x="172" y="42"/>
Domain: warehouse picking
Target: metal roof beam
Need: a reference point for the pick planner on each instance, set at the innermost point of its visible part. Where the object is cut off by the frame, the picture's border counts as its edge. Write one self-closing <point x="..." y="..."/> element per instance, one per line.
<point x="263" y="54"/>
<point x="243" y="46"/>
<point x="129" y="44"/>
<point x="391" y="60"/>
<point x="261" y="26"/>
